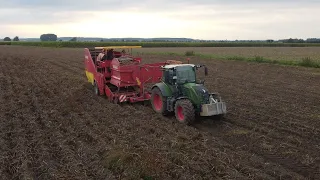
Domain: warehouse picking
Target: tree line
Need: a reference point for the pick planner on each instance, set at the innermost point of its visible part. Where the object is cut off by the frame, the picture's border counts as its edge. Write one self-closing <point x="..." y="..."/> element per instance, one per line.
<point x="9" y="39"/>
<point x="54" y="37"/>
<point x="43" y="37"/>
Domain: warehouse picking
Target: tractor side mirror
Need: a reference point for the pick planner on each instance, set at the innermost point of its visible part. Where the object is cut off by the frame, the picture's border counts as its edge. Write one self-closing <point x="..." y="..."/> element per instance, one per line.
<point x="205" y="71"/>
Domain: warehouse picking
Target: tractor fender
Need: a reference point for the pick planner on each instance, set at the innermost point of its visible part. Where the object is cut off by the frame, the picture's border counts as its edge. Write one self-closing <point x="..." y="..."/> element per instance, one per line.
<point x="165" y="90"/>
<point x="176" y="99"/>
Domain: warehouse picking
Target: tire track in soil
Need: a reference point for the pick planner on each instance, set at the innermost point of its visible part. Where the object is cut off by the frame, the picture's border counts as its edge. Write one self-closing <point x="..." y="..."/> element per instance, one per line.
<point x="246" y="145"/>
<point x="66" y="67"/>
<point x="15" y="142"/>
<point x="279" y="121"/>
<point x="252" y="168"/>
<point x="6" y="127"/>
<point x="257" y="124"/>
<point x="282" y="96"/>
<point x="27" y="134"/>
<point x="45" y="125"/>
<point x="276" y="151"/>
<point x="66" y="147"/>
<point x="39" y="125"/>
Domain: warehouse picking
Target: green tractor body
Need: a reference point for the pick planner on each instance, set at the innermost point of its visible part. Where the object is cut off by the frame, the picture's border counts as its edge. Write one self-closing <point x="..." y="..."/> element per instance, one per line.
<point x="180" y="92"/>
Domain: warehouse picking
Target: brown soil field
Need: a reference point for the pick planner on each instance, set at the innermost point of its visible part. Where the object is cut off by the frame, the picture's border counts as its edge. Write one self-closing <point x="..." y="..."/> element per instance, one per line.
<point x="273" y="53"/>
<point x="54" y="127"/>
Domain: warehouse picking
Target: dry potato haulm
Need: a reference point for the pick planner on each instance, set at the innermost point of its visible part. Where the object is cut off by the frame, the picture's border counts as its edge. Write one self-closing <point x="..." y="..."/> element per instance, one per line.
<point x="54" y="127"/>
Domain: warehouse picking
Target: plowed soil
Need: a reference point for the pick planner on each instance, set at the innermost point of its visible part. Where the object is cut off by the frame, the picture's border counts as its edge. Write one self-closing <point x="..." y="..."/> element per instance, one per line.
<point x="54" y="127"/>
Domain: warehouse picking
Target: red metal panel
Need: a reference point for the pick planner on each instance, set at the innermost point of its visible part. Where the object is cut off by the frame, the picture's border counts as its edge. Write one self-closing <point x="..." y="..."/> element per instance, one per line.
<point x="104" y="68"/>
<point x="151" y="73"/>
<point x="123" y="75"/>
<point x="134" y="74"/>
<point x="108" y="92"/>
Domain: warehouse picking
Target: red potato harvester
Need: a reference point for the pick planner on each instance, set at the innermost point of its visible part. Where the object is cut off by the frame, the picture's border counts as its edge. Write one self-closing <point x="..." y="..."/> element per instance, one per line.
<point x="121" y="77"/>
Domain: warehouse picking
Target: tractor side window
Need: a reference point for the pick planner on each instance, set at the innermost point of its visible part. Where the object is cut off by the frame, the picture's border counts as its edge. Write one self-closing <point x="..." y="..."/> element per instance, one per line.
<point x="172" y="75"/>
<point x="168" y="76"/>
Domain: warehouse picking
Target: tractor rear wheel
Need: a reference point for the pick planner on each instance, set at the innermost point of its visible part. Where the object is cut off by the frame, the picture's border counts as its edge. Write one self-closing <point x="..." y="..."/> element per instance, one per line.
<point x="184" y="111"/>
<point x="159" y="102"/>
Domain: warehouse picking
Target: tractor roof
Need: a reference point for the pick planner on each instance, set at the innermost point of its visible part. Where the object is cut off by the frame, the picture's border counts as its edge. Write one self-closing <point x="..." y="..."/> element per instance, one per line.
<point x="117" y="47"/>
<point x="176" y="65"/>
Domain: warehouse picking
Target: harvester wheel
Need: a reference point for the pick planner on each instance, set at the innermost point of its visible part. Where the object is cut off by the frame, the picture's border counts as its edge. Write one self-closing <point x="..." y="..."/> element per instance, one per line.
<point x="184" y="111"/>
<point x="159" y="102"/>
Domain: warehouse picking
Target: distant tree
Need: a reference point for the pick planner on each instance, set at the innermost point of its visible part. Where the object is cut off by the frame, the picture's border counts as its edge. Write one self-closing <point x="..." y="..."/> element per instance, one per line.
<point x="293" y="40"/>
<point x="7" y="39"/>
<point x="48" y="37"/>
<point x="73" y="39"/>
<point x="290" y="40"/>
<point x="313" y="40"/>
<point x="16" y="38"/>
<point x="270" y="40"/>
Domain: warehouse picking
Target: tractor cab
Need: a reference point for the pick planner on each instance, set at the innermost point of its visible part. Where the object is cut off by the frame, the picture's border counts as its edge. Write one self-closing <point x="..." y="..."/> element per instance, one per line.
<point x="179" y="74"/>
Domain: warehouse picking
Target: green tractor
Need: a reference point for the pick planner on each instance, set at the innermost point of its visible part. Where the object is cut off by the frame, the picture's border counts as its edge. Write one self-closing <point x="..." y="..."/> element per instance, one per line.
<point x="181" y="93"/>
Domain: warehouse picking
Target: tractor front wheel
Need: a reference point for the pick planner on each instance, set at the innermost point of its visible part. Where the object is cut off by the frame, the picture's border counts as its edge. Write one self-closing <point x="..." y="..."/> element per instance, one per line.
<point x="159" y="102"/>
<point x="184" y="111"/>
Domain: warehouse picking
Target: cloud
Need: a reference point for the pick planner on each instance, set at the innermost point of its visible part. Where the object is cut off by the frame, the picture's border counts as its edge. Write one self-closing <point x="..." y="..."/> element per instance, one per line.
<point x="206" y="19"/>
<point x="110" y="5"/>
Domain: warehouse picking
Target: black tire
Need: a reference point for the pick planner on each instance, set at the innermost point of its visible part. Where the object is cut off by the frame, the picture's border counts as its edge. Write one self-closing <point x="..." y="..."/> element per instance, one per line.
<point x="184" y="111"/>
<point x="159" y="108"/>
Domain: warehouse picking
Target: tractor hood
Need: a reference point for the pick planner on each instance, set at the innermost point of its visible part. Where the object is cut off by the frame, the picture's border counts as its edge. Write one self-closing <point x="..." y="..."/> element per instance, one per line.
<point x="197" y="93"/>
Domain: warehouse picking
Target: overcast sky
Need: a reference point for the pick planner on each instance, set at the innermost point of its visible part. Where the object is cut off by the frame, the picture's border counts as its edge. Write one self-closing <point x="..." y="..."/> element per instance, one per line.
<point x="201" y="19"/>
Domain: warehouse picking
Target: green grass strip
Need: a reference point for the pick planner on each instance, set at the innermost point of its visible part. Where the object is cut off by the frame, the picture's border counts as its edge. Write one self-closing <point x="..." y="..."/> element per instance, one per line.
<point x="305" y="62"/>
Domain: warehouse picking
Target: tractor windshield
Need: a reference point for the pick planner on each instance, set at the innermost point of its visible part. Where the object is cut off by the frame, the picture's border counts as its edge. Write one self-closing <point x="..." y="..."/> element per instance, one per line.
<point x="185" y="74"/>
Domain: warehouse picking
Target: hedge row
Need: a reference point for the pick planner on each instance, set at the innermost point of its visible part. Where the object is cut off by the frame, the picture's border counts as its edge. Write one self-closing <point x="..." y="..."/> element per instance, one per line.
<point x="157" y="44"/>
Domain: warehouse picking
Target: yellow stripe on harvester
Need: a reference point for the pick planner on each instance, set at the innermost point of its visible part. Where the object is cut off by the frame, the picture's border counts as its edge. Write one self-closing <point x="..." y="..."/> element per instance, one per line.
<point x="118" y="47"/>
<point x="90" y="77"/>
<point x="138" y="81"/>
